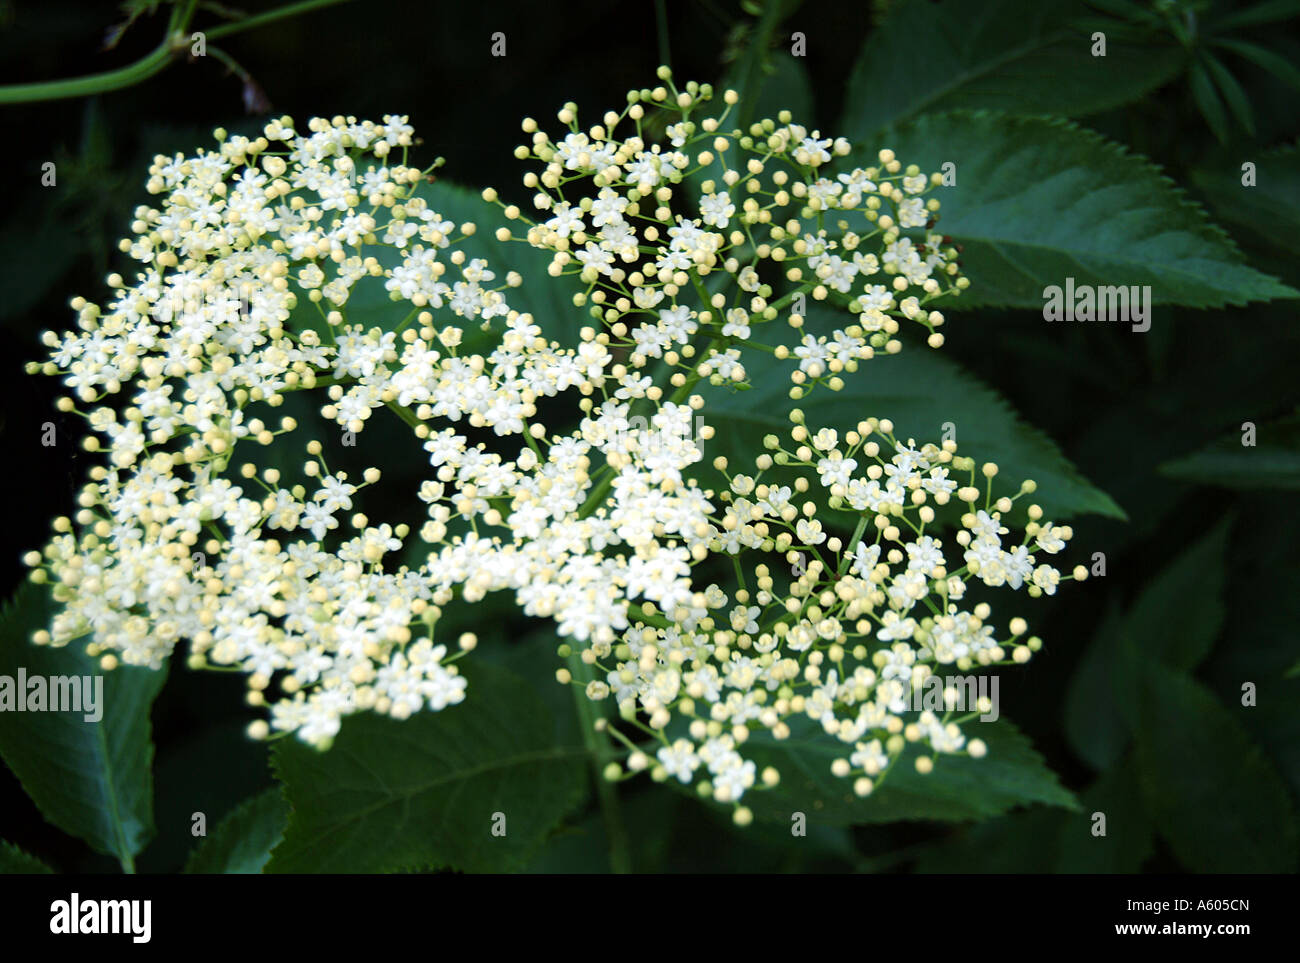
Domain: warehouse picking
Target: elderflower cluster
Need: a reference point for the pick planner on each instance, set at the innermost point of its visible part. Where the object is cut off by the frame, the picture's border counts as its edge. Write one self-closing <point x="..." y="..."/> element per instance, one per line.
<point x="857" y="628"/>
<point x="177" y="540"/>
<point x="256" y="275"/>
<point x="756" y="206"/>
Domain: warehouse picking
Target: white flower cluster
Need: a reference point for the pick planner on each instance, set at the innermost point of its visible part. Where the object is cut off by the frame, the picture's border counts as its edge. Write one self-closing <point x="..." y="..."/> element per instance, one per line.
<point x="756" y="204"/>
<point x="852" y="633"/>
<point x="247" y="270"/>
<point x="202" y="337"/>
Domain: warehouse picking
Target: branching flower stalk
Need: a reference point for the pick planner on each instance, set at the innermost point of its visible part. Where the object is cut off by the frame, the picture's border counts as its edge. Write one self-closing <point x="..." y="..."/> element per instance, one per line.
<point x="663" y="568"/>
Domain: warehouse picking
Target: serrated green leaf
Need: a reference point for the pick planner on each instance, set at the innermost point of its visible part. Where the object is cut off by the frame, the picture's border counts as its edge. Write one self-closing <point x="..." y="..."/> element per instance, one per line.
<point x="13" y="861"/>
<point x="91" y="779"/>
<point x="1012" y="774"/>
<point x="1272" y="462"/>
<point x="1000" y="55"/>
<point x="422" y="793"/>
<point x="243" y="842"/>
<point x="920" y="390"/>
<point x="1039" y="200"/>
<point x="1212" y="794"/>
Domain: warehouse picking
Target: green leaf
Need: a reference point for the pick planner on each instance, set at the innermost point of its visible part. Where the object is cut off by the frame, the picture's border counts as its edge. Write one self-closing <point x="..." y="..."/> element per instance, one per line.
<point x="921" y="390"/>
<point x="1179" y="614"/>
<point x="1270" y="209"/>
<point x="1272" y="462"/>
<point x="1094" y="726"/>
<point x="1208" y="102"/>
<point x="1232" y="93"/>
<point x="13" y="861"/>
<point x="549" y="300"/>
<point x="959" y="787"/>
<point x="423" y="792"/>
<point x="1212" y="794"/>
<point x="1173" y="621"/>
<point x="245" y="838"/>
<point x="995" y="54"/>
<point x="91" y="779"/>
<point x="1039" y="200"/>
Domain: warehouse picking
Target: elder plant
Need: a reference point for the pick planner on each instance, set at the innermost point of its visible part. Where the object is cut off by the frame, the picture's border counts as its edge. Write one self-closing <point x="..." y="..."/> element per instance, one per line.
<point x="690" y="247"/>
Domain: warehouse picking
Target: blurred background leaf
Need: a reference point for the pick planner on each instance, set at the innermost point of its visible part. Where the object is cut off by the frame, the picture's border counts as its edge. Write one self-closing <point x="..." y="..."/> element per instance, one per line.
<point x="1211" y="791"/>
<point x="1272" y="461"/>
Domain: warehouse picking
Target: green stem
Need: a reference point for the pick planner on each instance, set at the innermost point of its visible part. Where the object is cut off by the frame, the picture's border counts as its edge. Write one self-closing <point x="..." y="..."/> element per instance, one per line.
<point x="176" y="41"/>
<point x="620" y="859"/>
<point x="661" y="27"/>
<point x="848" y="549"/>
<point x="754" y="63"/>
<point x="127" y="76"/>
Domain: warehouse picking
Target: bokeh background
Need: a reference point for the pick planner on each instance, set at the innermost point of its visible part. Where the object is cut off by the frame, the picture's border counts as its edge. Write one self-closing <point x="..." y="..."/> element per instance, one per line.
<point x="1119" y="405"/>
